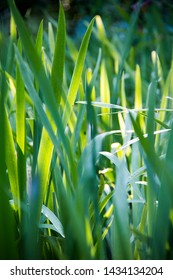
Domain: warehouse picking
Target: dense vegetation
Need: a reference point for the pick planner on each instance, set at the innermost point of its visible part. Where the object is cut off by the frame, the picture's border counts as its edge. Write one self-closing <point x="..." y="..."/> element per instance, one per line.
<point x="86" y="140"/>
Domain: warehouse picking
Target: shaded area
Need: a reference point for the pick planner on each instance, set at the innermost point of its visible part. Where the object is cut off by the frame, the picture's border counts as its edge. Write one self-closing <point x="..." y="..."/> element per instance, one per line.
<point x="111" y="10"/>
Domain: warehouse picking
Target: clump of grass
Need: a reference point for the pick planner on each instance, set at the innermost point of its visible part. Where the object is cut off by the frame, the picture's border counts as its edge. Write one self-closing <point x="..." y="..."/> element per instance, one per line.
<point x="85" y="172"/>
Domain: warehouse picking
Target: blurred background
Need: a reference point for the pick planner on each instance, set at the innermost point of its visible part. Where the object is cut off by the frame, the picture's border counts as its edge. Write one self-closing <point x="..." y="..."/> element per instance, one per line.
<point x="77" y="10"/>
<point x="154" y="26"/>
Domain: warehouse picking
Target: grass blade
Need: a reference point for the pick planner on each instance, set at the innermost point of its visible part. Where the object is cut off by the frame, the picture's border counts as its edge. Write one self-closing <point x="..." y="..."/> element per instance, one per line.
<point x="104" y="92"/>
<point x="8" y="248"/>
<point x="54" y="220"/>
<point x="75" y="81"/>
<point x="40" y="75"/>
<point x="59" y="57"/>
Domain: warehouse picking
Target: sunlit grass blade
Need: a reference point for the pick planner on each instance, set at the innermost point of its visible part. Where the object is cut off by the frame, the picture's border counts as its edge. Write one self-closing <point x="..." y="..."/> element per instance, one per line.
<point x="75" y="81"/>
<point x="138" y="94"/>
<point x="8" y="248"/>
<point x="104" y="92"/>
<point x="21" y="137"/>
<point x="40" y="75"/>
<point x="39" y="38"/>
<point x="44" y="159"/>
<point x="138" y="89"/>
<point x="20" y="111"/>
<point x="42" y="115"/>
<point x="11" y="160"/>
<point x="13" y="31"/>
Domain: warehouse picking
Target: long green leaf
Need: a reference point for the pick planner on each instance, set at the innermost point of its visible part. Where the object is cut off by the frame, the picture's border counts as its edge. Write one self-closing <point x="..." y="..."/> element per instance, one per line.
<point x="43" y="81"/>
<point x="54" y="220"/>
<point x="8" y="248"/>
<point x="76" y="78"/>
<point x="39" y="38"/>
<point x="38" y="106"/>
<point x="120" y="232"/>
<point x="165" y="203"/>
<point x="11" y="160"/>
<point x="59" y="57"/>
<point x="104" y="92"/>
<point x="21" y="138"/>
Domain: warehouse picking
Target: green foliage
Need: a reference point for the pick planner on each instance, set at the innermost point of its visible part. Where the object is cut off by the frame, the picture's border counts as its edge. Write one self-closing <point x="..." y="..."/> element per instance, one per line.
<point x="86" y="161"/>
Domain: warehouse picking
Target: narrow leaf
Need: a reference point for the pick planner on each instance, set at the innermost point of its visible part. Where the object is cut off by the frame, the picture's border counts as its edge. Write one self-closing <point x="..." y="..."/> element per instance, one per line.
<point x="75" y="81"/>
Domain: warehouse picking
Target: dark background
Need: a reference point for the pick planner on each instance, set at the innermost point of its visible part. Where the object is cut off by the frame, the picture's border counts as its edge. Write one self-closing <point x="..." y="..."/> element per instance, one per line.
<point x="111" y="11"/>
<point x="155" y="17"/>
<point x="76" y="9"/>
